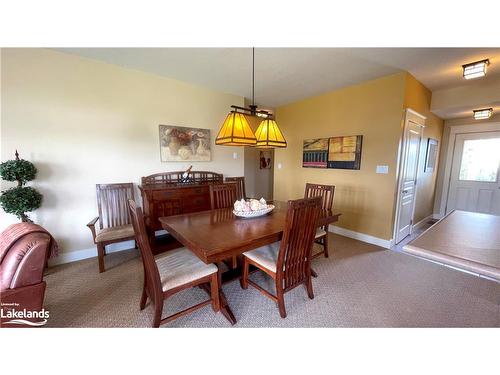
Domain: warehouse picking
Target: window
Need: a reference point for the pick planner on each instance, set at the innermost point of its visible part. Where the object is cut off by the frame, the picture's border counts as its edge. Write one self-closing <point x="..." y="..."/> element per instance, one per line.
<point x="480" y="160"/>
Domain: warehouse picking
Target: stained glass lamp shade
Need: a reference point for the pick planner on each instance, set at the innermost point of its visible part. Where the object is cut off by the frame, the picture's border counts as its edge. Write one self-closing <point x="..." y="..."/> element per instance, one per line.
<point x="269" y="135"/>
<point x="235" y="131"/>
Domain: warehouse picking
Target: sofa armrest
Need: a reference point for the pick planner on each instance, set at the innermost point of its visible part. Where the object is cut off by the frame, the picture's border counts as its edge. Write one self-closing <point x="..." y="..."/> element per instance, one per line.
<point x="91" y="226"/>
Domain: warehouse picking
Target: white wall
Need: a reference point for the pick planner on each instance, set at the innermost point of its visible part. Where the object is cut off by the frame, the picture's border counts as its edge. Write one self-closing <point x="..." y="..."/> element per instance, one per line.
<point x="83" y="122"/>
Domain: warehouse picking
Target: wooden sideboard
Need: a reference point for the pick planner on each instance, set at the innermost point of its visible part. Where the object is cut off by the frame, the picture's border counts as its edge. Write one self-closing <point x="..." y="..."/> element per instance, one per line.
<point x="165" y="194"/>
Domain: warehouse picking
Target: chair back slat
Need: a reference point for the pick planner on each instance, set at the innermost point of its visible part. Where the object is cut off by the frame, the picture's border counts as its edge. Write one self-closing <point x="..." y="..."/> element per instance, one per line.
<point x="294" y="258"/>
<point x="223" y="195"/>
<point x="151" y="274"/>
<point x="326" y="192"/>
<point x="240" y="186"/>
<point x="112" y="204"/>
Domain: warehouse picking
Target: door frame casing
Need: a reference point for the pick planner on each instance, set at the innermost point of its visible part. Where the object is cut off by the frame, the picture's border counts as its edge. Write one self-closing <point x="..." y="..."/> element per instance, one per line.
<point x="419" y="119"/>
<point x="450" y="151"/>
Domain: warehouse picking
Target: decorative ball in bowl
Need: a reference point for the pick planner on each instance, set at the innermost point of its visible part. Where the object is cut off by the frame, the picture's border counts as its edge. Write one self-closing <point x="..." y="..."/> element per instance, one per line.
<point x="252" y="208"/>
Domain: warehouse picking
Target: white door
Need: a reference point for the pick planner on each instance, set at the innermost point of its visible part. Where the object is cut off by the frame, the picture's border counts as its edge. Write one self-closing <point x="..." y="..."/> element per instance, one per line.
<point x="475" y="180"/>
<point x="408" y="175"/>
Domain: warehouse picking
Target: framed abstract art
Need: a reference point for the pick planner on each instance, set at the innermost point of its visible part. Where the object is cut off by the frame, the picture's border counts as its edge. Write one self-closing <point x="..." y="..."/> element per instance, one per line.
<point x="334" y="153"/>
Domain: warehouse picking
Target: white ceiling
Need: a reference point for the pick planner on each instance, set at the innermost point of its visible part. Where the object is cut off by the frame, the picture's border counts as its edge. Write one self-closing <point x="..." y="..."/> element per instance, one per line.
<point x="284" y="75"/>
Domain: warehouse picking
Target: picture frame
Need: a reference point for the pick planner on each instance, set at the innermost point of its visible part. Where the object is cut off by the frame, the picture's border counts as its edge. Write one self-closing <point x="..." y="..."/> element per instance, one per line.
<point x="265" y="159"/>
<point x="179" y="144"/>
<point x="340" y="152"/>
<point x="431" y="155"/>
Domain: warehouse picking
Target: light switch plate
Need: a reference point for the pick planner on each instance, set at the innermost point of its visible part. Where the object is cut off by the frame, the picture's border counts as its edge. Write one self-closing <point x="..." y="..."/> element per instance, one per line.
<point x="280" y="166"/>
<point x="383" y="169"/>
<point x="235" y="155"/>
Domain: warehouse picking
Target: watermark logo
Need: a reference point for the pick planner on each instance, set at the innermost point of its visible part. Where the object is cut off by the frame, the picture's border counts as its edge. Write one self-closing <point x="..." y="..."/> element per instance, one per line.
<point x="11" y="315"/>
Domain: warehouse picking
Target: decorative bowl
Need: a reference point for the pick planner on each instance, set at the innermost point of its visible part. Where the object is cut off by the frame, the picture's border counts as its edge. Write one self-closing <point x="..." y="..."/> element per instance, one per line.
<point x="252" y="214"/>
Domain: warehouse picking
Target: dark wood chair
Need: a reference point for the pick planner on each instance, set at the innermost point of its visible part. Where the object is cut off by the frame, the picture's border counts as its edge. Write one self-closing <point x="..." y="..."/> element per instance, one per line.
<point x="171" y="273"/>
<point x="240" y="188"/>
<point x="326" y="192"/>
<point x="114" y="218"/>
<point x="223" y="195"/>
<point x="288" y="262"/>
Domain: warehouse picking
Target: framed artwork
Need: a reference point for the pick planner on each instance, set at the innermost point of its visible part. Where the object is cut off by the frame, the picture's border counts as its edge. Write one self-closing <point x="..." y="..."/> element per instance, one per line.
<point x="315" y="153"/>
<point x="334" y="153"/>
<point x="431" y="155"/>
<point x="179" y="143"/>
<point x="265" y="159"/>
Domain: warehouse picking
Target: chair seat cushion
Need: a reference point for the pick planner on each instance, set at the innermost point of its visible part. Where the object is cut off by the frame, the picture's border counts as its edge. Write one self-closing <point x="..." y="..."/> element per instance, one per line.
<point x="320" y="232"/>
<point x="266" y="256"/>
<point x="115" y="233"/>
<point x="181" y="266"/>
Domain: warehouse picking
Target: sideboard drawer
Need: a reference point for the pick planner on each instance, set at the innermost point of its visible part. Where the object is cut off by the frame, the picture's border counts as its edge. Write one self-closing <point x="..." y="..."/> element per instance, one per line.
<point x="166" y="194"/>
<point x="196" y="203"/>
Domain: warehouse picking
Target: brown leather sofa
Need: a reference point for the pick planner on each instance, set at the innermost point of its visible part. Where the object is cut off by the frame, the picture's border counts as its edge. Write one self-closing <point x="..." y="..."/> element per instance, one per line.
<point x="22" y="262"/>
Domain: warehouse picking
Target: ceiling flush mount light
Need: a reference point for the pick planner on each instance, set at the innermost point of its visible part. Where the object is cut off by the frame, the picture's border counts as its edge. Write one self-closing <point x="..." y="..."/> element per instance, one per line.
<point x="476" y="69"/>
<point x="235" y="131"/>
<point x="481" y="114"/>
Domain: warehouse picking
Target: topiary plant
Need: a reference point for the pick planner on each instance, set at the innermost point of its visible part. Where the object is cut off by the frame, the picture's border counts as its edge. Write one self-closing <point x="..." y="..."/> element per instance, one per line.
<point x="20" y="199"/>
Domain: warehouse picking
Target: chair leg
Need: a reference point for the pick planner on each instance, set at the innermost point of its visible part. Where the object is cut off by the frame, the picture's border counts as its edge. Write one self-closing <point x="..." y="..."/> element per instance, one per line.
<point x="281" y="301"/>
<point x="214" y="292"/>
<point x="309" y="287"/>
<point x="100" y="256"/>
<point x="144" y="298"/>
<point x="325" y="244"/>
<point x="158" y="312"/>
<point x="244" y="276"/>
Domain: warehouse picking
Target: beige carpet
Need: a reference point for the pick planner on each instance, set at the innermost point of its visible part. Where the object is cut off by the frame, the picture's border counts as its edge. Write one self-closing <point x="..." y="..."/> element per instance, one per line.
<point x="360" y="285"/>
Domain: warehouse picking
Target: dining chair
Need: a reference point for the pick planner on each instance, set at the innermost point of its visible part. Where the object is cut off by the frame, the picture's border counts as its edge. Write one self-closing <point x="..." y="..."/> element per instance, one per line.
<point x="223" y="195"/>
<point x="326" y="192"/>
<point x="171" y="272"/>
<point x="288" y="262"/>
<point x="114" y="218"/>
<point x="240" y="188"/>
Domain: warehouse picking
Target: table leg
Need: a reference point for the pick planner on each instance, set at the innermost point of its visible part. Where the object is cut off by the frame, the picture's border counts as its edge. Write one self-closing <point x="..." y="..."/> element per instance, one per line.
<point x="224" y="307"/>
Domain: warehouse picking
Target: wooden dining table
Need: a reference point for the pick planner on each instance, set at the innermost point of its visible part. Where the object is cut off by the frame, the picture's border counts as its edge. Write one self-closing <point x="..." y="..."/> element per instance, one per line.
<point x="217" y="235"/>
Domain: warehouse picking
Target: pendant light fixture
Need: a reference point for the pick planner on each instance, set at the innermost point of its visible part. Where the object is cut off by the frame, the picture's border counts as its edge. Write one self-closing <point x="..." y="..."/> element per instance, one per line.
<point x="236" y="131"/>
<point x="269" y="135"/>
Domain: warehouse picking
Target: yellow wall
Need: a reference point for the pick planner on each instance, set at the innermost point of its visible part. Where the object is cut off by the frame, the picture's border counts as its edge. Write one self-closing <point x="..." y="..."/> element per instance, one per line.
<point x="418" y="98"/>
<point x="372" y="109"/>
<point x="375" y="110"/>
<point x="84" y="122"/>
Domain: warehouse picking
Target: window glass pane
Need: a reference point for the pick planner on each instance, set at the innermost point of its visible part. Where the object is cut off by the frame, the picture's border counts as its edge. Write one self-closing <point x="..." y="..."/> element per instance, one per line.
<point x="480" y="160"/>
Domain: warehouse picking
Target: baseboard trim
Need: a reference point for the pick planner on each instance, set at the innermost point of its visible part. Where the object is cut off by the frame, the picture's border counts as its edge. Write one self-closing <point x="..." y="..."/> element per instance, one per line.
<point x="387" y="244"/>
<point x="91" y="252"/>
<point x="437" y="216"/>
<point x="423" y="221"/>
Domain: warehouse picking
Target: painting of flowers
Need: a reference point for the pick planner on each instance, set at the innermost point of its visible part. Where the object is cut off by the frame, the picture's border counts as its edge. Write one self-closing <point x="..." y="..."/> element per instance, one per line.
<point x="179" y="143"/>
